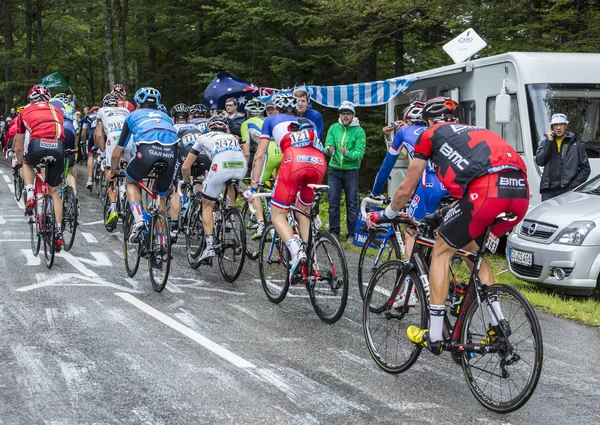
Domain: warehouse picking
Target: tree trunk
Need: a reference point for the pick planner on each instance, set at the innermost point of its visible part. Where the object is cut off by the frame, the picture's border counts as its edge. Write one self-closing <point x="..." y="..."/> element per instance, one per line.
<point x="122" y="19"/>
<point x="367" y="67"/>
<point x="108" y="29"/>
<point x="7" y="9"/>
<point x="399" y="54"/>
<point x="29" y="14"/>
<point x="39" y="38"/>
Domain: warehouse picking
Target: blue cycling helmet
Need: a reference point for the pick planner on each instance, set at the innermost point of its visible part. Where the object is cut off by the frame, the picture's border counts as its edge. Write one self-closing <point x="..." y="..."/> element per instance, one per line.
<point x="147" y="94"/>
<point x="162" y="108"/>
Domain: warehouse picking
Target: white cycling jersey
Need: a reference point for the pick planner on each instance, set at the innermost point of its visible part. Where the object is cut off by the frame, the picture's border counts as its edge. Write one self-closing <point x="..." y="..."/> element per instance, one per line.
<point x="215" y="142"/>
<point x="112" y="120"/>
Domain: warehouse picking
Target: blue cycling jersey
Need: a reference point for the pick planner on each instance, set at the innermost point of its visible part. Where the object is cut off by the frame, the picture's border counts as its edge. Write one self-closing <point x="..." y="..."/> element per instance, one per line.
<point x="148" y="126"/>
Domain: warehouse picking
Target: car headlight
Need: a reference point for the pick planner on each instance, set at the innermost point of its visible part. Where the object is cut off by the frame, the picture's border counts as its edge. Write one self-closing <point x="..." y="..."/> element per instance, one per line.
<point x="575" y="233"/>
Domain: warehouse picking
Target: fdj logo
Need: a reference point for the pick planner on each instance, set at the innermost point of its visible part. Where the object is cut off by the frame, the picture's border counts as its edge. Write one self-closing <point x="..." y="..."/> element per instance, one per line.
<point x="311" y="159"/>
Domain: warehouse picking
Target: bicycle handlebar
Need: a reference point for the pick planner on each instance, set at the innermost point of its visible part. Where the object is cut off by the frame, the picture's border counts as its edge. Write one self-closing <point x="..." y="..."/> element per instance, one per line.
<point x="369" y="200"/>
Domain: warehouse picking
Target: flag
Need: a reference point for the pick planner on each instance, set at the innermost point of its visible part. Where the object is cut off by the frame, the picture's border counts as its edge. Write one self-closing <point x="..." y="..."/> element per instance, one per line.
<point x="54" y="80"/>
<point x="225" y="86"/>
<point x="361" y="94"/>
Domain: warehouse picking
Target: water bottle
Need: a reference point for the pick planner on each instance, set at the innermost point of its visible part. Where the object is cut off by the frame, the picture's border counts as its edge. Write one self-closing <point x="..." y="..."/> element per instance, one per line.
<point x="460" y="290"/>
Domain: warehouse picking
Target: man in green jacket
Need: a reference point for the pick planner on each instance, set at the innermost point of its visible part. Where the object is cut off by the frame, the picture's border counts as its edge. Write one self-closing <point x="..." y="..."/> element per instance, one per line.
<point x="346" y="145"/>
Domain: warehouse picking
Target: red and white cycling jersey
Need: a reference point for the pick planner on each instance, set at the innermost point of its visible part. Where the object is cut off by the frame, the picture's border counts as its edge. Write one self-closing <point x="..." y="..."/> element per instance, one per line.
<point x="42" y="120"/>
<point x="127" y="105"/>
<point x="280" y="128"/>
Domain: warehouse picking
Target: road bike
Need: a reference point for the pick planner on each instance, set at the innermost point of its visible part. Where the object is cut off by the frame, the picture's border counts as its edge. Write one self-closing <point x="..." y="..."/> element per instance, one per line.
<point x="502" y="368"/>
<point x="156" y="239"/>
<point x="119" y="186"/>
<point x="42" y="224"/>
<point x="249" y="215"/>
<point x="70" y="206"/>
<point x="229" y="235"/>
<point x="325" y="274"/>
<point x="18" y="183"/>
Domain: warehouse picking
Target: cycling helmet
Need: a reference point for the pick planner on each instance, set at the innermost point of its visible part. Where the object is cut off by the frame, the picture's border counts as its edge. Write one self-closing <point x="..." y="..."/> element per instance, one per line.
<point x="199" y="111"/>
<point x="62" y="97"/>
<point x="147" y="94"/>
<point x="110" y="100"/>
<point x="93" y="110"/>
<point x="39" y="93"/>
<point x="162" y="108"/>
<point x="181" y="110"/>
<point x="119" y="90"/>
<point x="438" y="106"/>
<point x="255" y="106"/>
<point x="20" y="109"/>
<point x="271" y="102"/>
<point x="218" y="124"/>
<point x="413" y="112"/>
<point x="286" y="103"/>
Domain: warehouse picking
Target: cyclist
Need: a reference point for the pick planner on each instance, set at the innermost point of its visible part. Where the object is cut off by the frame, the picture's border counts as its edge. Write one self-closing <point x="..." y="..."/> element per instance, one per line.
<point x="61" y="101"/>
<point x="87" y="133"/>
<point x="489" y="178"/>
<point x="430" y="191"/>
<point x="270" y="106"/>
<point x="250" y="130"/>
<point x="187" y="134"/>
<point x="156" y="141"/>
<point x="111" y="118"/>
<point x="227" y="162"/>
<point x="121" y="92"/>
<point x="199" y="115"/>
<point x="303" y="163"/>
<point x="44" y="125"/>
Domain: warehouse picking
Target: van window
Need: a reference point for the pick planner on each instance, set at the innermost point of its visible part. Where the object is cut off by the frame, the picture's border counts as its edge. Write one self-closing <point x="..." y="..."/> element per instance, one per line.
<point x="510" y="132"/>
<point x="467" y="112"/>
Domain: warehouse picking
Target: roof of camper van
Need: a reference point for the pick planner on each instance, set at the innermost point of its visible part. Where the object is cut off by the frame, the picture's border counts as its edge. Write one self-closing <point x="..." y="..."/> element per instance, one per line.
<point x="532" y="67"/>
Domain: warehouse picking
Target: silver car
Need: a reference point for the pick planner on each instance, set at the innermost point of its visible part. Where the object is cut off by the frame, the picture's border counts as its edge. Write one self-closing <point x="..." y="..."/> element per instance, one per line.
<point x="557" y="245"/>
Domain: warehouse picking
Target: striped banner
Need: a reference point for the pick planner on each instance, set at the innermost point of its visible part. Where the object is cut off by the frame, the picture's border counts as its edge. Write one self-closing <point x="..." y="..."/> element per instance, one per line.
<point x="361" y="94"/>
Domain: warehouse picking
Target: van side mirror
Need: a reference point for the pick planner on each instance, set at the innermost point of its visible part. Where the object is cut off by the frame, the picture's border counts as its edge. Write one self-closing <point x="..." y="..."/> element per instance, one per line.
<point x="503" y="107"/>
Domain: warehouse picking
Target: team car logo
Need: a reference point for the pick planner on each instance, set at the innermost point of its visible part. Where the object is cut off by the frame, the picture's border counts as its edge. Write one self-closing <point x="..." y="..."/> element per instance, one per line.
<point x="312" y="159"/>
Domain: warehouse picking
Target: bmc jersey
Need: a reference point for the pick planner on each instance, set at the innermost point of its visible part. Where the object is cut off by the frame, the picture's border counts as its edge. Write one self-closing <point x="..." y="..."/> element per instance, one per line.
<point x="215" y="142"/>
<point x="149" y="126"/>
<point x="462" y="153"/>
<point x="187" y="133"/>
<point x="112" y="120"/>
<point x="279" y="128"/>
<point x="42" y="120"/>
<point x="251" y="129"/>
<point x="127" y="105"/>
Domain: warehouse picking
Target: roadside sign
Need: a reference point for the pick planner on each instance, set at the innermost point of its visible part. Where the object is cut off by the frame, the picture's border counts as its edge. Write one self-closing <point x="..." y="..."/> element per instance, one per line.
<point x="464" y="46"/>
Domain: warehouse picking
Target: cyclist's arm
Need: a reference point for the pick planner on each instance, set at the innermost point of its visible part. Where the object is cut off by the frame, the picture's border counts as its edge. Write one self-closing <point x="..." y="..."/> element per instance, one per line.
<point x="259" y="160"/>
<point x="406" y="189"/>
<point x="391" y="157"/>
<point x="99" y="136"/>
<point x="19" y="146"/>
<point x="186" y="168"/>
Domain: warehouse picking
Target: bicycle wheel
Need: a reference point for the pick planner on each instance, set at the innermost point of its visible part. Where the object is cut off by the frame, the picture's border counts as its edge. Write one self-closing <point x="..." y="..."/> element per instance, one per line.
<point x="35" y="225"/>
<point x="69" y="221"/>
<point x="251" y="224"/>
<point x="159" y="258"/>
<point x="329" y="292"/>
<point x="109" y="227"/>
<point x="232" y="253"/>
<point x="131" y="251"/>
<point x="194" y="234"/>
<point x="387" y="314"/>
<point x="504" y="380"/>
<point x="273" y="265"/>
<point x="18" y="186"/>
<point x="49" y="229"/>
<point x="376" y="251"/>
<point x="102" y="188"/>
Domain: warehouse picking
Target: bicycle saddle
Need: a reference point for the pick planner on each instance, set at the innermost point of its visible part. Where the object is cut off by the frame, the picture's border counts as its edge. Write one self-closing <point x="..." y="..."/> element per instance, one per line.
<point x="159" y="167"/>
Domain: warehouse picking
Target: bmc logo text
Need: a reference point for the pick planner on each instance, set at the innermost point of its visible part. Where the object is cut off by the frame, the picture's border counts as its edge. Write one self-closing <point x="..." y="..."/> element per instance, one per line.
<point x="453" y="156"/>
<point x="509" y="181"/>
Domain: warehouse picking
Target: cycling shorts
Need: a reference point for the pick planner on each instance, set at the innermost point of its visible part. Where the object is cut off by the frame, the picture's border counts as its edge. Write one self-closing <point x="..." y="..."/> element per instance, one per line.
<point x="37" y="149"/>
<point x="149" y="154"/>
<point x="299" y="168"/>
<point x="484" y="199"/>
<point x="69" y="144"/>
<point x="90" y="140"/>
<point x="272" y="161"/>
<point x="225" y="166"/>
<point x="201" y="165"/>
<point x="427" y="197"/>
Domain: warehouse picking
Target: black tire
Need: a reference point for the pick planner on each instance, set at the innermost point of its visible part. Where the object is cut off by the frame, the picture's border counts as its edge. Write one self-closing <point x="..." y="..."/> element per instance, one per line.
<point x="329" y="294"/>
<point x="69" y="221"/>
<point x="519" y="356"/>
<point x="194" y="234"/>
<point x="232" y="240"/>
<point x="18" y="186"/>
<point x="385" y="324"/>
<point x="273" y="265"/>
<point x="109" y="227"/>
<point x="35" y="225"/>
<point x="49" y="231"/>
<point x="368" y="261"/>
<point x="102" y="188"/>
<point x="159" y="251"/>
<point x="252" y="245"/>
<point x="131" y="251"/>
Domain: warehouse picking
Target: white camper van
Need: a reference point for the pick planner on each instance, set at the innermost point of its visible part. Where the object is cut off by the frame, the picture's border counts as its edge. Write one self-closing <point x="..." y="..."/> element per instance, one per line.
<point x="539" y="84"/>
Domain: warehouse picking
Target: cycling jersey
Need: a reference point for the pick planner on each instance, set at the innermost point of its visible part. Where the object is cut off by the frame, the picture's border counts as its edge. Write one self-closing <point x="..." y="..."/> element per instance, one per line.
<point x="42" y="120"/>
<point x="188" y="135"/>
<point x="272" y="161"/>
<point x="215" y="142"/>
<point x="251" y="130"/>
<point x="148" y="126"/>
<point x="278" y="127"/>
<point x="461" y="153"/>
<point x="112" y="120"/>
<point x="201" y="123"/>
<point x="89" y="123"/>
<point x="127" y="105"/>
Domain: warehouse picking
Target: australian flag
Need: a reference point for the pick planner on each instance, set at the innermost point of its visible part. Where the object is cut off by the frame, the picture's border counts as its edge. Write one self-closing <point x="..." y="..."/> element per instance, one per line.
<point x="225" y="86"/>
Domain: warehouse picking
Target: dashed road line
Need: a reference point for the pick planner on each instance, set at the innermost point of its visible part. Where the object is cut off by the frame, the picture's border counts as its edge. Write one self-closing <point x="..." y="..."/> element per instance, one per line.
<point x="89" y="237"/>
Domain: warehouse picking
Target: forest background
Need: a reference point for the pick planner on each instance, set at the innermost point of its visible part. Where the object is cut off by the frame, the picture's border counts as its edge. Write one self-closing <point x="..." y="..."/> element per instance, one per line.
<point x="179" y="46"/>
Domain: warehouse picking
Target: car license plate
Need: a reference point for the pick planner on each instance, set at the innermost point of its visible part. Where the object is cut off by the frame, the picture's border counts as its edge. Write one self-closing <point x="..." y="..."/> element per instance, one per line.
<point x="520" y="257"/>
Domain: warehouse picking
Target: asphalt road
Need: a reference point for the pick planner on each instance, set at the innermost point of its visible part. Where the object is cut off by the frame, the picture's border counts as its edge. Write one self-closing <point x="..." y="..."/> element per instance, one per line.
<point x="81" y="343"/>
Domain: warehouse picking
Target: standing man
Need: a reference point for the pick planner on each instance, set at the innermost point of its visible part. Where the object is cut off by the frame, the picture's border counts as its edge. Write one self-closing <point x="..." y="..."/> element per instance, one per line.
<point x="346" y="145"/>
<point x="234" y="118"/>
<point x="566" y="164"/>
<point x="305" y="110"/>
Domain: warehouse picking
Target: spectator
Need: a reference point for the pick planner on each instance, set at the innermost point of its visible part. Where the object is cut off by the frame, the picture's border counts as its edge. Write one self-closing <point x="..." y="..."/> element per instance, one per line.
<point x="13" y="114"/>
<point x="305" y="110"/>
<point x="564" y="159"/>
<point x="346" y="145"/>
<point x="234" y="118"/>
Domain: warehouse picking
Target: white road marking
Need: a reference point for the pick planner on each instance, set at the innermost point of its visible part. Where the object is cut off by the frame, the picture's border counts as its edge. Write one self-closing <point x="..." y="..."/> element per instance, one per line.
<point x="4" y="220"/>
<point x="6" y="178"/>
<point x="75" y="262"/>
<point x="184" y="330"/>
<point x="14" y="240"/>
<point x="68" y="279"/>
<point x="134" y="284"/>
<point x="31" y="259"/>
<point x="1" y="172"/>
<point x="171" y="287"/>
<point x="11" y="188"/>
<point x="89" y="237"/>
<point x="92" y="223"/>
<point x="100" y="260"/>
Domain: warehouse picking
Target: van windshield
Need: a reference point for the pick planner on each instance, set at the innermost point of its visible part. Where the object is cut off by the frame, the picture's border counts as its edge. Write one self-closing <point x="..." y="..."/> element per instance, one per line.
<point x="581" y="104"/>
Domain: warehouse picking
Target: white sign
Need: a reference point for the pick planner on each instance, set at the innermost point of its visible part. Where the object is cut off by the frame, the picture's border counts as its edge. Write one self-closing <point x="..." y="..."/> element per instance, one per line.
<point x="464" y="46"/>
